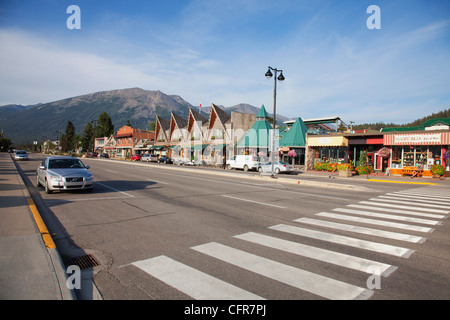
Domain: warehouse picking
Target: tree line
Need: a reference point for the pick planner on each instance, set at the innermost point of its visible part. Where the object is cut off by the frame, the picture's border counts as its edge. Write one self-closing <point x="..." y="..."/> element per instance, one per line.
<point x="102" y="127"/>
<point x="418" y="122"/>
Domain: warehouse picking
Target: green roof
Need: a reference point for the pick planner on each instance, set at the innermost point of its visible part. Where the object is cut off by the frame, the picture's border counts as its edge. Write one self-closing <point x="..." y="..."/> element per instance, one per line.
<point x="262" y="113"/>
<point x="296" y="136"/>
<point x="258" y="135"/>
<point x="429" y="123"/>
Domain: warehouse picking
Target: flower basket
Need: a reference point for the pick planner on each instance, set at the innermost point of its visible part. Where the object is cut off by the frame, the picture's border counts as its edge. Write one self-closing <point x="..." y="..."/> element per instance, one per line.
<point x="384" y="152"/>
<point x="437" y="170"/>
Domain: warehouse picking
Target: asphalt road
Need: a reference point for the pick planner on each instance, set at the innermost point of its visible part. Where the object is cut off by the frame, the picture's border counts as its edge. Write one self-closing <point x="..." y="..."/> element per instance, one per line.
<point x="159" y="232"/>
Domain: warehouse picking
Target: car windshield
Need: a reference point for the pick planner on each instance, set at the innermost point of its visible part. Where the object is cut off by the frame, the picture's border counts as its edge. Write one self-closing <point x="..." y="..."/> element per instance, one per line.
<point x="65" y="163"/>
<point x="21" y="152"/>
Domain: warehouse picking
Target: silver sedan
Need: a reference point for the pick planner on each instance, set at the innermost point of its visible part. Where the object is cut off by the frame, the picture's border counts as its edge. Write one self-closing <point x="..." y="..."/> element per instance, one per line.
<point x="278" y="167"/>
<point x="64" y="173"/>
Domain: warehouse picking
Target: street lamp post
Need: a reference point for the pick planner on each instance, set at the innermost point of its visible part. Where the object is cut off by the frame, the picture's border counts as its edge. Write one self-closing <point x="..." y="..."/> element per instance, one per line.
<point x="275" y="78"/>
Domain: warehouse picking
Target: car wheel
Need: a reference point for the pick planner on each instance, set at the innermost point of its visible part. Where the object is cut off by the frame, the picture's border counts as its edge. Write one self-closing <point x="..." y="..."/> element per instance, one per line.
<point x="245" y="168"/>
<point x="277" y="170"/>
<point x="260" y="169"/>
<point x="229" y="166"/>
<point x="47" y="189"/>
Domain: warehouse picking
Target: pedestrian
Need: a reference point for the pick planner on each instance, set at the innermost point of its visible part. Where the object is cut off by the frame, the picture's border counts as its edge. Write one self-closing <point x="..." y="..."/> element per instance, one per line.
<point x="417" y="171"/>
<point x="224" y="163"/>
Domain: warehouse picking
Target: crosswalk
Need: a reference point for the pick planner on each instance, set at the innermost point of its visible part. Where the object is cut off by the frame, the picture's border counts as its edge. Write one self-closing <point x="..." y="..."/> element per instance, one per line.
<point x="410" y="216"/>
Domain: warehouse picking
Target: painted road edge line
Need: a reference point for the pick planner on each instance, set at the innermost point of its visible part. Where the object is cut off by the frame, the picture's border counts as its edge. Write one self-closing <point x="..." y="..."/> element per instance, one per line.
<point x="48" y="240"/>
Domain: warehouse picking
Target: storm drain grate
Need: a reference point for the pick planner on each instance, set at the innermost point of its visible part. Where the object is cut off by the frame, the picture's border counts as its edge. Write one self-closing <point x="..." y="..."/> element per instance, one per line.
<point x="84" y="262"/>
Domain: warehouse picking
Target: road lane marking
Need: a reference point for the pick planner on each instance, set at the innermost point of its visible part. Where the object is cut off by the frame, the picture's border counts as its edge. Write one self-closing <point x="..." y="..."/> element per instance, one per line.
<point x="383" y="209"/>
<point x="347" y="241"/>
<point x="376" y="222"/>
<point x="389" y="216"/>
<point x="336" y="258"/>
<point x="413" y="199"/>
<point x="409" y="202"/>
<point x="192" y="282"/>
<point x="381" y="204"/>
<point x="114" y="189"/>
<point x="257" y="202"/>
<point x="363" y="230"/>
<point x="304" y="280"/>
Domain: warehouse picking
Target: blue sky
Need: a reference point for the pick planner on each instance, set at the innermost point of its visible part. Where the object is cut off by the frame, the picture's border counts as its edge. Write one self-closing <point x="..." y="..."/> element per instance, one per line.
<point x="217" y="51"/>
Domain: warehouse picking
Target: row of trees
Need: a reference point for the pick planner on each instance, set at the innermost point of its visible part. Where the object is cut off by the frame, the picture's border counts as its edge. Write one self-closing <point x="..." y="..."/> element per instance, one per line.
<point x="102" y="127"/>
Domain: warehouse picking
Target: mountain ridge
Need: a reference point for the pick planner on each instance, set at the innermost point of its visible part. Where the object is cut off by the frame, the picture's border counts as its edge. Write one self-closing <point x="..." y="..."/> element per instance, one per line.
<point x="23" y="124"/>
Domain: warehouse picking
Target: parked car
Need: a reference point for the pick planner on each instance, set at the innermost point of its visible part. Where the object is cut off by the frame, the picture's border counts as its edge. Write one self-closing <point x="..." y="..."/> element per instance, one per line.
<point x="243" y="162"/>
<point x="165" y="159"/>
<point x="278" y="166"/>
<point x="145" y="157"/>
<point x="20" y="155"/>
<point x="136" y="157"/>
<point x="104" y="155"/>
<point x="64" y="173"/>
<point x="149" y="157"/>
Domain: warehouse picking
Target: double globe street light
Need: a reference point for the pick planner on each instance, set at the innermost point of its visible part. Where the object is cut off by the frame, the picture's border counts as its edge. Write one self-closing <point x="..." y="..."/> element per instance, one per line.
<point x="275" y="78"/>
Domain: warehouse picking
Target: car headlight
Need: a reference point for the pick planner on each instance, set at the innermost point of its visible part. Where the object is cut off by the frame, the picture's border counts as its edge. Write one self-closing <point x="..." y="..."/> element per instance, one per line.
<point x="89" y="178"/>
<point x="56" y="178"/>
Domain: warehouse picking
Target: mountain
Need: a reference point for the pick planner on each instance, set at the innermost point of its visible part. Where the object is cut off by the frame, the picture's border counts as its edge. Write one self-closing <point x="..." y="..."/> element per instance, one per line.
<point x="43" y="121"/>
<point x="24" y="124"/>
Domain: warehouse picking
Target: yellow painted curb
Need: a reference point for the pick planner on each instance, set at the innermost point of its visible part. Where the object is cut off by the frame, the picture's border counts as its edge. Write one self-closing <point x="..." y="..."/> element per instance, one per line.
<point x="428" y="183"/>
<point x="48" y="241"/>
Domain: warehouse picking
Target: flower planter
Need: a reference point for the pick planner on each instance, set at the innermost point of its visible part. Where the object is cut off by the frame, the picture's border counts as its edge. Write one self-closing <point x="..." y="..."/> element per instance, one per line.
<point x="345" y="173"/>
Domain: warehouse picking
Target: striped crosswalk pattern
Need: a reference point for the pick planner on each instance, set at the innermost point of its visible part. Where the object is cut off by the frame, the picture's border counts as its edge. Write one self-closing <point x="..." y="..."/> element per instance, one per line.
<point x="408" y="215"/>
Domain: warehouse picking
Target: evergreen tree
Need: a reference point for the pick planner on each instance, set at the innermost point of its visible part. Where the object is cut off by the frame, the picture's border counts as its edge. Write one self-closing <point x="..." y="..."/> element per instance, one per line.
<point x="105" y="127"/>
<point x="87" y="140"/>
<point x="67" y="137"/>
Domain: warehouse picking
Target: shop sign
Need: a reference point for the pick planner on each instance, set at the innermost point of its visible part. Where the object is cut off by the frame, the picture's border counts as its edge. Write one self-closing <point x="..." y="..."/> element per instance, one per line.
<point x="433" y="138"/>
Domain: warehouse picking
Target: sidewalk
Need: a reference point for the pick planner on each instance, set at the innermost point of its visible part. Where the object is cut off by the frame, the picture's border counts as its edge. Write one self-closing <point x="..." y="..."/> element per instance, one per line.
<point x="30" y="269"/>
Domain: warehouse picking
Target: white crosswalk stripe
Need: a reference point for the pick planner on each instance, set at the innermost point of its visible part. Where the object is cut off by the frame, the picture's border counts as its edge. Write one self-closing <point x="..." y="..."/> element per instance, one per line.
<point x="340" y="259"/>
<point x="192" y="282"/>
<point x="301" y="279"/>
<point x="391" y="210"/>
<point x="414" y="210"/>
<point x="347" y="241"/>
<point x="403" y="207"/>
<point x="389" y="216"/>
<point x="364" y="230"/>
<point x="409" y="203"/>
<point x="413" y="199"/>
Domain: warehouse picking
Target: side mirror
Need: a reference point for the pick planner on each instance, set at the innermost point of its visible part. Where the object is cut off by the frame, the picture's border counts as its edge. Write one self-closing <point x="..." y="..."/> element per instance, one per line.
<point x="42" y="167"/>
<point x="88" y="166"/>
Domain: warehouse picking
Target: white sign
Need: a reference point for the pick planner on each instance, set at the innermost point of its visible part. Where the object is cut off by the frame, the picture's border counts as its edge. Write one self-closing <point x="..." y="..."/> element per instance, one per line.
<point x="418" y="138"/>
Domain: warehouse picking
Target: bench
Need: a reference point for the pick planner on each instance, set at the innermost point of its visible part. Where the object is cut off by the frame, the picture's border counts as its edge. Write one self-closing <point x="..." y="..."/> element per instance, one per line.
<point x="410" y="171"/>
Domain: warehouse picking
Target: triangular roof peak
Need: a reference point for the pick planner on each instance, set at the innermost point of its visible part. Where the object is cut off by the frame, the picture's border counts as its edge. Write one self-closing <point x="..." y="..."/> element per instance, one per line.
<point x="262" y="114"/>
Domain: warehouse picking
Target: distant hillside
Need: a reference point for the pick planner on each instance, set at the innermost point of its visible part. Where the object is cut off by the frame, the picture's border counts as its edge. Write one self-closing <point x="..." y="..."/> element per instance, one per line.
<point x="43" y="121"/>
<point x="23" y="124"/>
<point x="418" y="122"/>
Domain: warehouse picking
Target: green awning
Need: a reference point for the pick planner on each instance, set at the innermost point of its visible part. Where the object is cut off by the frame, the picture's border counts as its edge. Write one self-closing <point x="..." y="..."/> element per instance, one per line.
<point x="156" y="147"/>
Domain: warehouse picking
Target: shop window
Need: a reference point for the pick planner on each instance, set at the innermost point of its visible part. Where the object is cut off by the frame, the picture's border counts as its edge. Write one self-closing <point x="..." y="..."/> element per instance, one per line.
<point x="397" y="157"/>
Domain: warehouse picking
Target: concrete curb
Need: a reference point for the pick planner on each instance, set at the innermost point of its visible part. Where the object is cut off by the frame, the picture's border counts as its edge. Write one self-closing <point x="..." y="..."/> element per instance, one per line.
<point x="55" y="257"/>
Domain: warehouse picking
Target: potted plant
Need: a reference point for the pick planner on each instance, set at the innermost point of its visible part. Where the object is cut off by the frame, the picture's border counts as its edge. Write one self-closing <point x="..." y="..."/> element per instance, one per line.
<point x="437" y="170"/>
<point x="345" y="169"/>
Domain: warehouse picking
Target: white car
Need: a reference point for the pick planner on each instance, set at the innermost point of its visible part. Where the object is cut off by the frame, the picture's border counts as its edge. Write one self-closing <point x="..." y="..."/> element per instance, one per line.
<point x="21" y="155"/>
<point x="64" y="173"/>
<point x="243" y="162"/>
<point x="278" y="167"/>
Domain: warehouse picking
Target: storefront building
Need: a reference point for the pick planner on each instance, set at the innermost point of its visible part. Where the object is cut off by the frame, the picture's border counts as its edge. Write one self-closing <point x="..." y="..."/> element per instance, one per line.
<point x="418" y="148"/>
